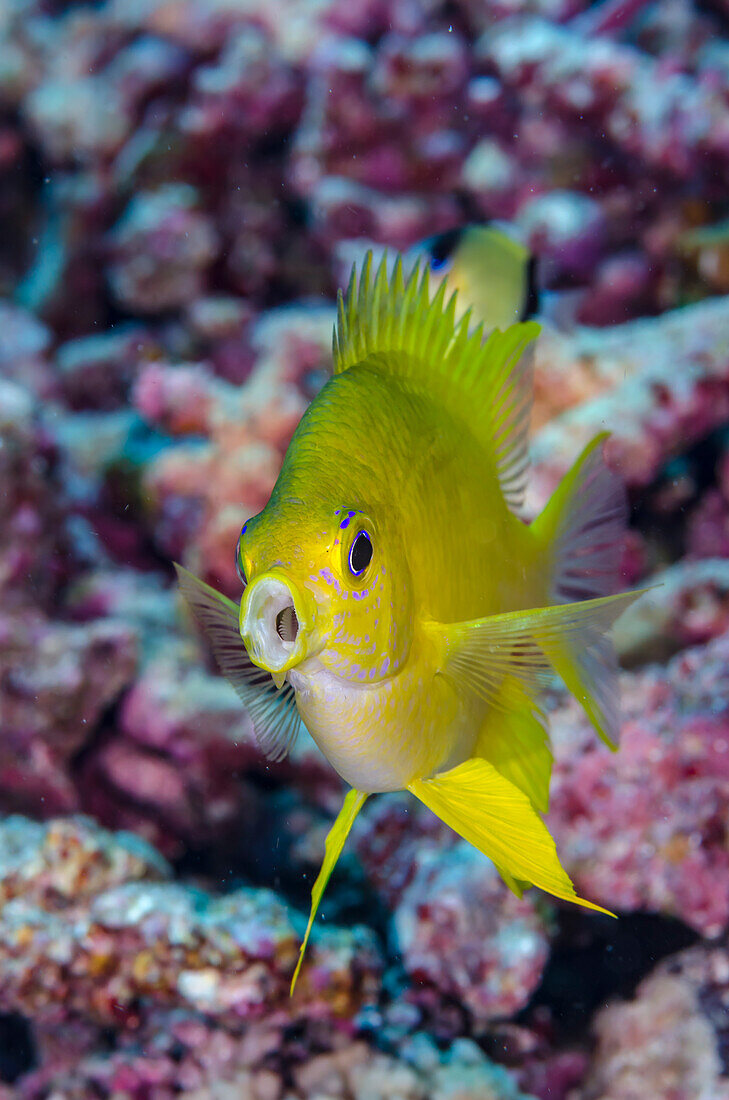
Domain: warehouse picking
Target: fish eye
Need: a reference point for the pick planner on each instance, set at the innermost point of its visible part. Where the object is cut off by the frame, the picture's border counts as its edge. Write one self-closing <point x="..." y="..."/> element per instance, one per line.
<point x="360" y="554"/>
<point x="442" y="248"/>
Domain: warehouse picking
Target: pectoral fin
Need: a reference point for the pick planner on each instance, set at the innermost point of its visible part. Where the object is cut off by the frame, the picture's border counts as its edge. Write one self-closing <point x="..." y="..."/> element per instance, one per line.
<point x="336" y="837"/>
<point x="497" y="818"/>
<point x="272" y="710"/>
<point x="527" y="645"/>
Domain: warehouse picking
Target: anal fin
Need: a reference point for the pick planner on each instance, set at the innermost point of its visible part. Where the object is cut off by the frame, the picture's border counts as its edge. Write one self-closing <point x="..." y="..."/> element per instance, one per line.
<point x="515" y="740"/>
<point x="497" y="818"/>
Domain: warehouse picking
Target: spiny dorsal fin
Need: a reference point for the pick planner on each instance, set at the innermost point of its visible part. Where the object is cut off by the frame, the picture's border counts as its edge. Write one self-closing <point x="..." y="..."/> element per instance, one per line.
<point x="485" y="382"/>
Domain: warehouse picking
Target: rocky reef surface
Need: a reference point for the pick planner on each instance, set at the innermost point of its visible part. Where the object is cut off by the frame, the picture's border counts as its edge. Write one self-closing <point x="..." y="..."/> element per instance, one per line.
<point x="183" y="186"/>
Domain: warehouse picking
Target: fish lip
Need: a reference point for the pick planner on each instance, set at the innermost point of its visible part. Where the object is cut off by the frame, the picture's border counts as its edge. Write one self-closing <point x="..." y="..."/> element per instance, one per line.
<point x="264" y="600"/>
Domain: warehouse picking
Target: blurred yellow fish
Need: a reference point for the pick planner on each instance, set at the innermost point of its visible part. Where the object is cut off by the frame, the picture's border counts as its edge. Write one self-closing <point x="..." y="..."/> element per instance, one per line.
<point x="493" y="272"/>
<point x="396" y="604"/>
<point x="496" y="277"/>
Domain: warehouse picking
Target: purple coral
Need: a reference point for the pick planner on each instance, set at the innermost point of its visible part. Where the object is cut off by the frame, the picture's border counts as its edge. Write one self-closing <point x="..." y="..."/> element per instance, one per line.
<point x="161" y="249"/>
<point x="654" y="811"/>
<point x="461" y="932"/>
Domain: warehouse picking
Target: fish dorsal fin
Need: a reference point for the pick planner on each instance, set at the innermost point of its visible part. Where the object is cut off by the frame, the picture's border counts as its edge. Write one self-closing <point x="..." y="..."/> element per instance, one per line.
<point x="484" y="381"/>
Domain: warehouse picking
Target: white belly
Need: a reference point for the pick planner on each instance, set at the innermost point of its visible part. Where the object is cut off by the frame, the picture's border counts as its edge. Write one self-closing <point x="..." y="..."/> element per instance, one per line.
<point x="381" y="736"/>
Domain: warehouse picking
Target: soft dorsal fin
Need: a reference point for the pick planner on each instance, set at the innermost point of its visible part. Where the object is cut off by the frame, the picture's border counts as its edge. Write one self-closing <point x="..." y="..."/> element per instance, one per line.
<point x="484" y="382"/>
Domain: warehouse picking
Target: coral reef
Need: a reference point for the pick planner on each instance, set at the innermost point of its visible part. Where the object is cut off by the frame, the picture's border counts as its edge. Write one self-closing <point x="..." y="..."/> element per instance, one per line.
<point x="57" y="679"/>
<point x="183" y="186"/>
<point x="655" y="811"/>
<point x="190" y="1059"/>
<point x="460" y="931"/>
<point x="461" y="935"/>
<point x="661" y="384"/>
<point x="93" y="936"/>
<point x="689" y="608"/>
<point x="670" y="1039"/>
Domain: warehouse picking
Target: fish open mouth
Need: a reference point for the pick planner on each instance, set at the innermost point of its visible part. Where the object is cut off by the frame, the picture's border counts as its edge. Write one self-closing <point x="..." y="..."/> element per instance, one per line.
<point x="287" y="624"/>
<point x="270" y="624"/>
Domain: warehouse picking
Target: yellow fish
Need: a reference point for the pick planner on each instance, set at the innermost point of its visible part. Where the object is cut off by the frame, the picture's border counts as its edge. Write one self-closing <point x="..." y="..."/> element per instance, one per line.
<point x="492" y="270"/>
<point x="396" y="604"/>
<point x="496" y="277"/>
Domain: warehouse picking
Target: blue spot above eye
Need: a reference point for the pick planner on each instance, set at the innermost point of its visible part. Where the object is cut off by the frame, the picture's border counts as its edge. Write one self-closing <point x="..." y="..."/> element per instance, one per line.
<point x="438" y="264"/>
<point x="243" y="529"/>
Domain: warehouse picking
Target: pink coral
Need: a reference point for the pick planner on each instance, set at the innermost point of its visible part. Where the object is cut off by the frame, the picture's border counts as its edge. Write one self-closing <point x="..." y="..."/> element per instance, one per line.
<point x="97" y="371"/>
<point x="660" y="384"/>
<point x="248" y="83"/>
<point x="33" y="502"/>
<point x="708" y="527"/>
<point x="669" y="1039"/>
<point x="566" y="230"/>
<point x="460" y="930"/>
<point x="56" y="681"/>
<point x="647" y="110"/>
<point x="231" y="477"/>
<point x="161" y="249"/>
<point x="129" y="943"/>
<point x="175" y="769"/>
<point x="690" y="607"/>
<point x="643" y="829"/>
